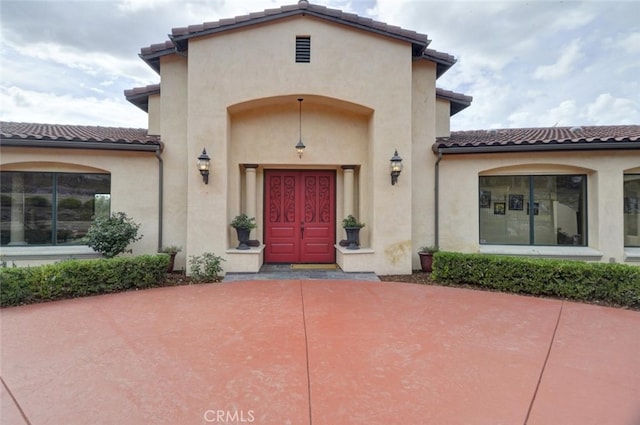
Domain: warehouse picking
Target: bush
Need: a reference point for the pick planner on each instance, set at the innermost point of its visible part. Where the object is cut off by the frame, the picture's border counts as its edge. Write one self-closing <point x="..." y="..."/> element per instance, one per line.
<point x="205" y="267"/>
<point x="78" y="278"/>
<point x="611" y="283"/>
<point x="110" y="236"/>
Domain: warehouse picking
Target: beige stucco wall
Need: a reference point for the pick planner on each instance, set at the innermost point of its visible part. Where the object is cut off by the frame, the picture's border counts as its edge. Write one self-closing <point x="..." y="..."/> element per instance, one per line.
<point x="347" y="67"/>
<point x="459" y="221"/>
<point x="177" y="165"/>
<point x="134" y="185"/>
<point x="443" y="119"/>
<point x="154" y="115"/>
<point x="424" y="122"/>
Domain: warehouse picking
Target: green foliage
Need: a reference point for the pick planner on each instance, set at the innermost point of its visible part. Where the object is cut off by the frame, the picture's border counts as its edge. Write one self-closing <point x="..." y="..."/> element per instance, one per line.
<point x="111" y="236"/>
<point x="612" y="283"/>
<point x="205" y="267"/>
<point x="78" y="278"/>
<point x="243" y="222"/>
<point x="171" y="249"/>
<point x="351" y="221"/>
<point x="429" y="249"/>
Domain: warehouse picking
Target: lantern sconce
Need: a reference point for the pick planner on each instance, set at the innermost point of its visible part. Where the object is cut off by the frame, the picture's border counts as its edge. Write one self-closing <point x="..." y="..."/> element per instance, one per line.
<point x="300" y="146"/>
<point x="204" y="162"/>
<point x="396" y="167"/>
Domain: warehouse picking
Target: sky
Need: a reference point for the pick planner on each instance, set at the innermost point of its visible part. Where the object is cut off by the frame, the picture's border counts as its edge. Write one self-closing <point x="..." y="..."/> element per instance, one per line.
<point x="526" y="63"/>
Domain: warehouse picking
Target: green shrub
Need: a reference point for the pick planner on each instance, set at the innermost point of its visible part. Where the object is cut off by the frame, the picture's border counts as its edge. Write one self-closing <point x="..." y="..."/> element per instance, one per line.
<point x="205" y="267"/>
<point x="111" y="236"/>
<point x="612" y="283"/>
<point x="78" y="278"/>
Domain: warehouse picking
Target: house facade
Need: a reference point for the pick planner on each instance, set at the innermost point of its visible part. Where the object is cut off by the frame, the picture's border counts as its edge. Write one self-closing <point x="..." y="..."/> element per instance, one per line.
<point x="254" y="89"/>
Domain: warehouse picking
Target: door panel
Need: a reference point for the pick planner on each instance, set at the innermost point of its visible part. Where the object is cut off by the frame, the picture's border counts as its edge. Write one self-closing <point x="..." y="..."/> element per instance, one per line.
<point x="299" y="216"/>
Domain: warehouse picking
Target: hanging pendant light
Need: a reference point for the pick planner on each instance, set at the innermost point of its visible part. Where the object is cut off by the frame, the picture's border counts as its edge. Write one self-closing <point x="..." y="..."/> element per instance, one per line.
<point x="300" y="147"/>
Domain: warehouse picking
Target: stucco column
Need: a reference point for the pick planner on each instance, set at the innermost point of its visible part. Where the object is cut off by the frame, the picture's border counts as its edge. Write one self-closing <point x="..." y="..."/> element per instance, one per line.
<point x="17" y="210"/>
<point x="250" y="189"/>
<point x="348" y="189"/>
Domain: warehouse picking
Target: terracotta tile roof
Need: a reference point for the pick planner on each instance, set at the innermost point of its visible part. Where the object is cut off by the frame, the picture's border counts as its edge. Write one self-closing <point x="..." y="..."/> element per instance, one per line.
<point x="546" y="138"/>
<point x="458" y="101"/>
<point x="180" y="36"/>
<point x="151" y="54"/>
<point x="443" y="61"/>
<point x="159" y="47"/>
<point x="139" y="96"/>
<point x="80" y="136"/>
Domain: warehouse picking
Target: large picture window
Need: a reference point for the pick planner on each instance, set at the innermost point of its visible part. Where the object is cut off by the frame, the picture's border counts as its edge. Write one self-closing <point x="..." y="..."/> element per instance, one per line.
<point x="533" y="210"/>
<point x="50" y="208"/>
<point x="632" y="210"/>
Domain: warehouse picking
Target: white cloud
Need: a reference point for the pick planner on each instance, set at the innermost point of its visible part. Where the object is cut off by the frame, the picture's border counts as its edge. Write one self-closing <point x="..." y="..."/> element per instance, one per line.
<point x="31" y="106"/>
<point x="631" y="42"/>
<point x="606" y="109"/>
<point x="526" y="64"/>
<point x="91" y="63"/>
<point x="564" y="66"/>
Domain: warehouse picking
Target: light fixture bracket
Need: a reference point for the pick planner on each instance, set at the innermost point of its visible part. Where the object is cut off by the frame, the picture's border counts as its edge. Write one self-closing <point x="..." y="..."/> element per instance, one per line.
<point x="396" y="167"/>
<point x="300" y="147"/>
<point x="204" y="164"/>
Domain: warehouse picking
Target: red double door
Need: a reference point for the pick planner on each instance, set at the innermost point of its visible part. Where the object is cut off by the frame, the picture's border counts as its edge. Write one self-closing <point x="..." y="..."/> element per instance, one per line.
<point x="300" y="216"/>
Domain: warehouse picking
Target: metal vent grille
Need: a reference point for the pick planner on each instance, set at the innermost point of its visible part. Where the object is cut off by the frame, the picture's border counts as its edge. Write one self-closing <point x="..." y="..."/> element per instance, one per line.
<point x="303" y="49"/>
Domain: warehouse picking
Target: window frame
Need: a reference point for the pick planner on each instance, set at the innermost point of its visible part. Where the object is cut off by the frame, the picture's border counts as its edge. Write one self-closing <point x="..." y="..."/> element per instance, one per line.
<point x="531" y="211"/>
<point x="55" y="199"/>
<point x="624" y="214"/>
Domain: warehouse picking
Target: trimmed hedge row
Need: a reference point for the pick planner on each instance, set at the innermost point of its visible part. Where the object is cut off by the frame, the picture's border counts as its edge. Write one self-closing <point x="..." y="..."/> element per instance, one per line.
<point x="79" y="278"/>
<point x="611" y="283"/>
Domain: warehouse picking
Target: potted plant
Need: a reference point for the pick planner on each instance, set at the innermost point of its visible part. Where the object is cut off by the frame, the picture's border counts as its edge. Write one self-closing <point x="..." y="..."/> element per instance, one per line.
<point x="352" y="226"/>
<point x="171" y="250"/>
<point x="243" y="226"/>
<point x="426" y="257"/>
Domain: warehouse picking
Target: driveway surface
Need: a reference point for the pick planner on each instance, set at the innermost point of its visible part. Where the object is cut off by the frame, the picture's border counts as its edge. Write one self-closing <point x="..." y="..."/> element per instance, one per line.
<point x="319" y="352"/>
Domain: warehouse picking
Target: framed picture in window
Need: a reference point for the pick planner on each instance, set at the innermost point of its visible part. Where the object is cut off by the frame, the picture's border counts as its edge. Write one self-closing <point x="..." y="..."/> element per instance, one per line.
<point x="485" y="199"/>
<point x="499" y="208"/>
<point x="516" y="202"/>
<point x="630" y="205"/>
<point x="536" y="208"/>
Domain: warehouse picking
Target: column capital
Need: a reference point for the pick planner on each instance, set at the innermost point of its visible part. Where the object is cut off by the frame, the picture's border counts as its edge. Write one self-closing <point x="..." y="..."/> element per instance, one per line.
<point x="246" y="166"/>
<point x="349" y="167"/>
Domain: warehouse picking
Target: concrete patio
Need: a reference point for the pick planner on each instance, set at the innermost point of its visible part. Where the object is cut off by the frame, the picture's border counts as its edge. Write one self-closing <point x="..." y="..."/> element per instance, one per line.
<point x="319" y="352"/>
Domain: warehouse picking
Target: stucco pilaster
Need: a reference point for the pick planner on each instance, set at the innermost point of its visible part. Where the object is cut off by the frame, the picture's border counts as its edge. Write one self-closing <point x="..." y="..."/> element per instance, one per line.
<point x="348" y="172"/>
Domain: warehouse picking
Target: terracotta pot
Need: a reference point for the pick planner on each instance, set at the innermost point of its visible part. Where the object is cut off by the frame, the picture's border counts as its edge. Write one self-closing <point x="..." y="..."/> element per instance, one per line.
<point x="172" y="261"/>
<point x="426" y="261"/>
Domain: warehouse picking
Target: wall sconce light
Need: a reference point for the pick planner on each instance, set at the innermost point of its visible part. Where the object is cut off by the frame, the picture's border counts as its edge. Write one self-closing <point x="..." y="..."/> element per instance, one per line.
<point x="396" y="167"/>
<point x="300" y="146"/>
<point x="204" y="162"/>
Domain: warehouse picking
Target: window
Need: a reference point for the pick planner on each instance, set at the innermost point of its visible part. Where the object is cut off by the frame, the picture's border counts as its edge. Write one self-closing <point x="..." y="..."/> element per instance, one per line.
<point x="631" y="210"/>
<point x="51" y="208"/>
<point x="533" y="210"/>
<point x="303" y="49"/>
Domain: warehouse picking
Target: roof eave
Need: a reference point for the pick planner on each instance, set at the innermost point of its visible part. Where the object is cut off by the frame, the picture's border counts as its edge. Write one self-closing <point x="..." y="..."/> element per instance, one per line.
<point x="181" y="41"/>
<point x="539" y="147"/>
<point x="442" y="64"/>
<point x="457" y="107"/>
<point x="457" y="101"/>
<point x="141" y="100"/>
<point x="153" y="59"/>
<point x="71" y="144"/>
